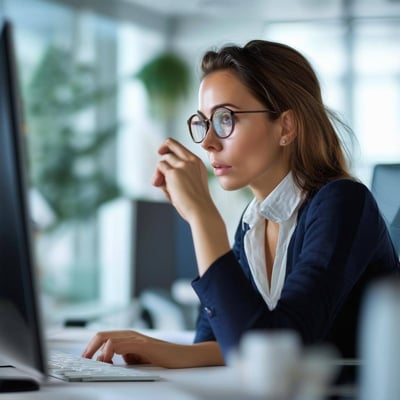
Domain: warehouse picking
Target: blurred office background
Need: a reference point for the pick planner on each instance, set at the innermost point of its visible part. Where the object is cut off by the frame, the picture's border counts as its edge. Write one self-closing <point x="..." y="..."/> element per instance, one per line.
<point x="105" y="235"/>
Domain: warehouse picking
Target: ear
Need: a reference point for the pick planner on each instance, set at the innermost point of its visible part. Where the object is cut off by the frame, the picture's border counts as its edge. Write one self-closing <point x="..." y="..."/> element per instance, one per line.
<point x="289" y="128"/>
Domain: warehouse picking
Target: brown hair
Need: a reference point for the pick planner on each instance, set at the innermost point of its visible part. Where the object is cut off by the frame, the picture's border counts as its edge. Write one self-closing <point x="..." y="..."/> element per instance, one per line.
<point x="282" y="79"/>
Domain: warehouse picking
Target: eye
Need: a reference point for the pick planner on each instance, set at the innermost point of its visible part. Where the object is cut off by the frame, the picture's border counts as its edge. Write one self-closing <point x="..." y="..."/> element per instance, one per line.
<point x="224" y="118"/>
<point x="198" y="127"/>
<point x="197" y="122"/>
<point x="223" y="123"/>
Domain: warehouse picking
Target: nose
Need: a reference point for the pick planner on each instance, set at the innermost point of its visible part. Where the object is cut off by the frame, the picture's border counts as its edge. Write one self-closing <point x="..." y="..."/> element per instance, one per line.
<point x="211" y="140"/>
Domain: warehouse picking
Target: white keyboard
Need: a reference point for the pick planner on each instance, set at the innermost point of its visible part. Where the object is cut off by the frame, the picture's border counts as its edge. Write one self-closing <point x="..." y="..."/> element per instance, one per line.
<point x="72" y="368"/>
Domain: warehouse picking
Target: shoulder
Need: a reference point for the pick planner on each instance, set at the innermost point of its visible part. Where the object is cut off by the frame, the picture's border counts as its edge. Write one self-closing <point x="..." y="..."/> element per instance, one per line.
<point x="343" y="196"/>
<point x="343" y="187"/>
<point x="347" y="190"/>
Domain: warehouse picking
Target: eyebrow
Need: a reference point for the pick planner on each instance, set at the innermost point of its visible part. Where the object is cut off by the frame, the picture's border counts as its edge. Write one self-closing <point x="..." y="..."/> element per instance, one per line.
<point x="218" y="106"/>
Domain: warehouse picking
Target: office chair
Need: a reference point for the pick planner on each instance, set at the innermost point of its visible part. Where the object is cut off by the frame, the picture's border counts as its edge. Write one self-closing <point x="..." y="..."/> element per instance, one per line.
<point x="385" y="186"/>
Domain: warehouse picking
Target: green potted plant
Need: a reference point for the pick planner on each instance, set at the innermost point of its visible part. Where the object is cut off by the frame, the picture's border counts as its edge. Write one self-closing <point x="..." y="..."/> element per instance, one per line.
<point x="166" y="79"/>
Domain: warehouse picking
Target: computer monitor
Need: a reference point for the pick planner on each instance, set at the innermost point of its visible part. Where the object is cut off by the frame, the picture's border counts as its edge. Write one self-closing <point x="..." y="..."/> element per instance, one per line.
<point x="21" y="342"/>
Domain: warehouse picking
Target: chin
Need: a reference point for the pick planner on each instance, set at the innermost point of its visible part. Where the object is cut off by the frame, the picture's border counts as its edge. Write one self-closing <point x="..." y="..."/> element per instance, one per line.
<point x="229" y="186"/>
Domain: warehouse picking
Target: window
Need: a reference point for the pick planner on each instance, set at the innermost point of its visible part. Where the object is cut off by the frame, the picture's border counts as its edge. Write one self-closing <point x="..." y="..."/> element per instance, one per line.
<point x="359" y="79"/>
<point x="89" y="58"/>
<point x="377" y="92"/>
<point x="329" y="62"/>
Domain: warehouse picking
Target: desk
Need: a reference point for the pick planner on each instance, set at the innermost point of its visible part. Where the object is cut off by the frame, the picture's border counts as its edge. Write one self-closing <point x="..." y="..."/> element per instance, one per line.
<point x="211" y="383"/>
<point x="174" y="385"/>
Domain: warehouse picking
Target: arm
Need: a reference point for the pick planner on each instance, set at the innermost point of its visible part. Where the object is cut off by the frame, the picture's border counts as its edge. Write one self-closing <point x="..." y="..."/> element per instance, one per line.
<point x="137" y="348"/>
<point x="183" y="178"/>
<point x="337" y="238"/>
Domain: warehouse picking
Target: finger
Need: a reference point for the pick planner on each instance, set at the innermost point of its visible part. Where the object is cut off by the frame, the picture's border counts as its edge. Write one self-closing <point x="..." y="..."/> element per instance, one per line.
<point x="158" y="179"/>
<point x="173" y="146"/>
<point x="166" y="147"/>
<point x="100" y="357"/>
<point x="173" y="160"/>
<point x="95" y="344"/>
<point x="163" y="165"/>
<point x="120" y="343"/>
<point x="108" y="351"/>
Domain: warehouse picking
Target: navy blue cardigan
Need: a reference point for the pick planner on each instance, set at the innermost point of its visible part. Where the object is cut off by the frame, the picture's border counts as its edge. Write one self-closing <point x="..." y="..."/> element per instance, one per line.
<point x="340" y="244"/>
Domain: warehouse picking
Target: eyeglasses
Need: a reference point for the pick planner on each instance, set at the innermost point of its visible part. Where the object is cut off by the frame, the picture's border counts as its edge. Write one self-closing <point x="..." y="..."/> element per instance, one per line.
<point x="222" y="120"/>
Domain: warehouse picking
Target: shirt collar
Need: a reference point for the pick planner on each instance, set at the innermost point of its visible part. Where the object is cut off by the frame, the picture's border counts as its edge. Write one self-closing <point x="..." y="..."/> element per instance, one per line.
<point x="278" y="206"/>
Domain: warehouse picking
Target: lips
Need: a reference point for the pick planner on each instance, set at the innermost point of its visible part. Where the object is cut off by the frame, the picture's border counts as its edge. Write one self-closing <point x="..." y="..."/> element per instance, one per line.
<point x="220" y="169"/>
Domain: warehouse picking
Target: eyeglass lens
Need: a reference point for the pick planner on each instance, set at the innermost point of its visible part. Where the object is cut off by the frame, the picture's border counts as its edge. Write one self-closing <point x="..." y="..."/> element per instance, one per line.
<point x="222" y="122"/>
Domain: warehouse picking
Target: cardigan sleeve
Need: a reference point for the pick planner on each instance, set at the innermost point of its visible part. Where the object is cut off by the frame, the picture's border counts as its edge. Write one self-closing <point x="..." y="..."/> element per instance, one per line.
<point x="204" y="331"/>
<point x="337" y="237"/>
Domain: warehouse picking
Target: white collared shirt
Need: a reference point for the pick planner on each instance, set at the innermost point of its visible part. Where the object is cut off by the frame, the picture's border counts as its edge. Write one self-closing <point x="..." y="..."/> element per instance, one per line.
<point x="280" y="206"/>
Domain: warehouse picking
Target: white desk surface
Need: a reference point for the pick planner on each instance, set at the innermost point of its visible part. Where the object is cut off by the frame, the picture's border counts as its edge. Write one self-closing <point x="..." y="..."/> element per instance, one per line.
<point x="211" y="383"/>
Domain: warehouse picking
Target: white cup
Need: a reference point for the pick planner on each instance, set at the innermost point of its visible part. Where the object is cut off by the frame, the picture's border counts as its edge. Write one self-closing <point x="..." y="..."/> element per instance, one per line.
<point x="268" y="363"/>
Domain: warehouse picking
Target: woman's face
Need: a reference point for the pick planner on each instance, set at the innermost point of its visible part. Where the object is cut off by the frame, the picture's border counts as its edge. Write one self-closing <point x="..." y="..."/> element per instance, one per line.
<point x="252" y="156"/>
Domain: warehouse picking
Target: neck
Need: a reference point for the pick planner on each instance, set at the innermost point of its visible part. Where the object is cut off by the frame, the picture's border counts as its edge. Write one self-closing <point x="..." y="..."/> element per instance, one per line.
<point x="267" y="184"/>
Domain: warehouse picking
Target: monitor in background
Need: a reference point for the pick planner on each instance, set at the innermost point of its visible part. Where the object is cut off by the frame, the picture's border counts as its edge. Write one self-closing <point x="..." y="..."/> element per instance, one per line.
<point x="163" y="250"/>
<point x="386" y="189"/>
<point x="21" y="343"/>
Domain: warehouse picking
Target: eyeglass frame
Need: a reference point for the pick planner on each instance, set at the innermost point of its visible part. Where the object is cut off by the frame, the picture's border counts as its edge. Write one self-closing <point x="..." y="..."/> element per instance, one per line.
<point x="209" y="121"/>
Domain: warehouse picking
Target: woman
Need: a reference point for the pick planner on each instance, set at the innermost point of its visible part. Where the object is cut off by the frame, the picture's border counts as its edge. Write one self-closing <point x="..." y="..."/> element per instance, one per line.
<point x="307" y="245"/>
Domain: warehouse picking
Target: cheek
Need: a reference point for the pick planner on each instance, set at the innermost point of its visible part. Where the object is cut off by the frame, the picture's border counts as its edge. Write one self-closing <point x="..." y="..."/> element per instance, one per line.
<point x="256" y="145"/>
<point x="255" y="153"/>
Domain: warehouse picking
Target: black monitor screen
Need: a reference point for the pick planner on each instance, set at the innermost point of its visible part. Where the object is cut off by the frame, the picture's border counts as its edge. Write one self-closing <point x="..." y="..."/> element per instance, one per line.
<point x="20" y="332"/>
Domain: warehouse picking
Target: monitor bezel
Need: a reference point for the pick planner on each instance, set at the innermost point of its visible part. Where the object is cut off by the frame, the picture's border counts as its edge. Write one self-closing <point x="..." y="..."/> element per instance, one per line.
<point x="37" y="365"/>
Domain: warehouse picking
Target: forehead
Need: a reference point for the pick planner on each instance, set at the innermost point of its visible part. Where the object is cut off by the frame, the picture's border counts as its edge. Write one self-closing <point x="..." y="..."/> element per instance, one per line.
<point x="223" y="87"/>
